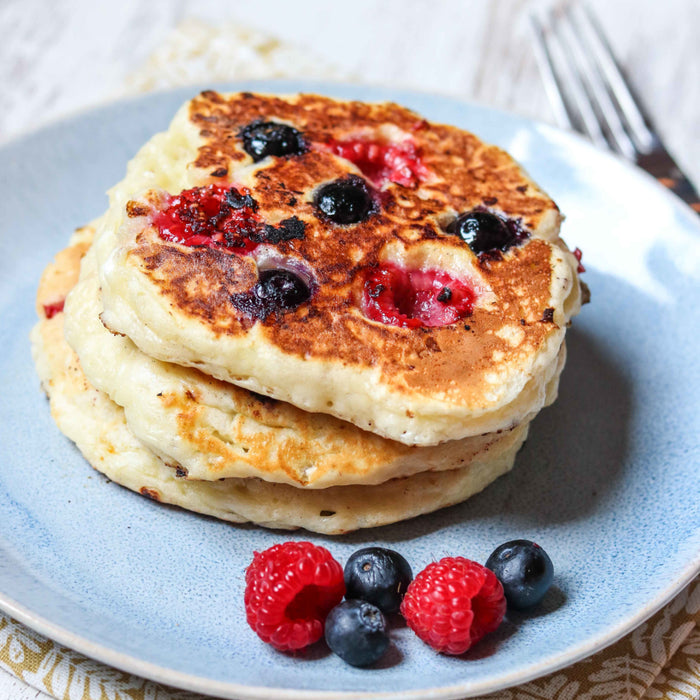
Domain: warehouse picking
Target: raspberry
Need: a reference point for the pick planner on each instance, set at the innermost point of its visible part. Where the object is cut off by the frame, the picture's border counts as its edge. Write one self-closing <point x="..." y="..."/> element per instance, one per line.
<point x="453" y="603"/>
<point x="384" y="161"/>
<point x="213" y="216"/>
<point x="411" y="298"/>
<point x="290" y="589"/>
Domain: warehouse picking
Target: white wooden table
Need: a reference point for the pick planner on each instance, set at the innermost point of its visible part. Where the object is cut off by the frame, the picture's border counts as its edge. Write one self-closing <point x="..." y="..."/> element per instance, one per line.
<point x="63" y="56"/>
<point x="58" y="57"/>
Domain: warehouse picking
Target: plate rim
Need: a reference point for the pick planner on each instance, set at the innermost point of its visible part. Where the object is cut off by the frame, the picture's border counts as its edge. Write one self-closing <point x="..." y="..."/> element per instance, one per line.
<point x="202" y="684"/>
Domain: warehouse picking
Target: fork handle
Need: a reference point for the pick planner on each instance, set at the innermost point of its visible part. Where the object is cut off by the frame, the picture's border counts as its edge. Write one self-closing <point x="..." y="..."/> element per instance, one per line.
<point x="664" y="169"/>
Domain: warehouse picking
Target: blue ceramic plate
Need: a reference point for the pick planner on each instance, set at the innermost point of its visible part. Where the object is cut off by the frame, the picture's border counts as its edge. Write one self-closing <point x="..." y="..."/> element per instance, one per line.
<point x="608" y="481"/>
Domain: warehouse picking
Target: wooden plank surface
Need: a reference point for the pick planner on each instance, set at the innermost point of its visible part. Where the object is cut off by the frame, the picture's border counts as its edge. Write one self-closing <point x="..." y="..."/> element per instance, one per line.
<point x="58" y="57"/>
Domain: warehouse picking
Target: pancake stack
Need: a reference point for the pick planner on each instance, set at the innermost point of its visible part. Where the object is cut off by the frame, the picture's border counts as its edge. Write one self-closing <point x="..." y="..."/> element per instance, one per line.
<point x="305" y="312"/>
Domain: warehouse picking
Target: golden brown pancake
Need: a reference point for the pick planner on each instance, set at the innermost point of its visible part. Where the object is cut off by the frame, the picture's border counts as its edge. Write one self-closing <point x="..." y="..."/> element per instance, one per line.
<point x="99" y="429"/>
<point x="408" y="377"/>
<point x="214" y="430"/>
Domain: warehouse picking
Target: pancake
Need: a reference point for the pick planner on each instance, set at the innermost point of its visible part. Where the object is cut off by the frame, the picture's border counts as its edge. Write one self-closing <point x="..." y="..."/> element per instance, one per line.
<point x="98" y="427"/>
<point x="218" y="255"/>
<point x="214" y="430"/>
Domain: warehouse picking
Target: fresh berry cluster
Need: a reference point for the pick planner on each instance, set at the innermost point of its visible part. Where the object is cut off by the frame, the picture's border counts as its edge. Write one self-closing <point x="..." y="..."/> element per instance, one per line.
<point x="294" y="595"/>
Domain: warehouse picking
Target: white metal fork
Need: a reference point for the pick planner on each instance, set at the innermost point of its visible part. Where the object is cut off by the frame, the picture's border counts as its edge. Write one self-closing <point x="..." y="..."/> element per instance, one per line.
<point x="590" y="94"/>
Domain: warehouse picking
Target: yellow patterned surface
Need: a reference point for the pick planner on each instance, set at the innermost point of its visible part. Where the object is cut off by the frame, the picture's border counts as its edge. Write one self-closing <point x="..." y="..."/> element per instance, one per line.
<point x="660" y="660"/>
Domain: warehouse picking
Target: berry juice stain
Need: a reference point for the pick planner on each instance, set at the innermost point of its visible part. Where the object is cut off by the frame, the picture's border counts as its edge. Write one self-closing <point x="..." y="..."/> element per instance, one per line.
<point x="407" y="298"/>
<point x="50" y="310"/>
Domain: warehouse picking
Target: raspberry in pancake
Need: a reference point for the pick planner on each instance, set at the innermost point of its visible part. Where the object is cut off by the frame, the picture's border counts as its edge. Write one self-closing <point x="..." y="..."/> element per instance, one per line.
<point x="348" y="258"/>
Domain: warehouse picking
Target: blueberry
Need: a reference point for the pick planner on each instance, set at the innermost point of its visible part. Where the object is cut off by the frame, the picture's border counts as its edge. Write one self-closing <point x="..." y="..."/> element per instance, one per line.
<point x="345" y="201"/>
<point x="524" y="570"/>
<point x="356" y="631"/>
<point x="262" y="139"/>
<point x="483" y="231"/>
<point x="281" y="289"/>
<point x="379" y="576"/>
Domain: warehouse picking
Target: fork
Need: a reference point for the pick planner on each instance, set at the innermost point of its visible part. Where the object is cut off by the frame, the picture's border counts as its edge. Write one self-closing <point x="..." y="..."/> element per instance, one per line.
<point x="590" y="94"/>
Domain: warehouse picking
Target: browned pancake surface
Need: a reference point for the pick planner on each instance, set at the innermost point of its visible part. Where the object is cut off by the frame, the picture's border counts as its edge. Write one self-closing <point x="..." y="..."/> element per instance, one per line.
<point x="464" y="173"/>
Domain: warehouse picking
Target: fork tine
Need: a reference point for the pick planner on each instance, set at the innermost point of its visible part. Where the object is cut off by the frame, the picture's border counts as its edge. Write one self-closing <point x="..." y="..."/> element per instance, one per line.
<point x="589" y="92"/>
<point x="552" y="86"/>
<point x="574" y="92"/>
<point x="635" y="118"/>
<point x="594" y="84"/>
